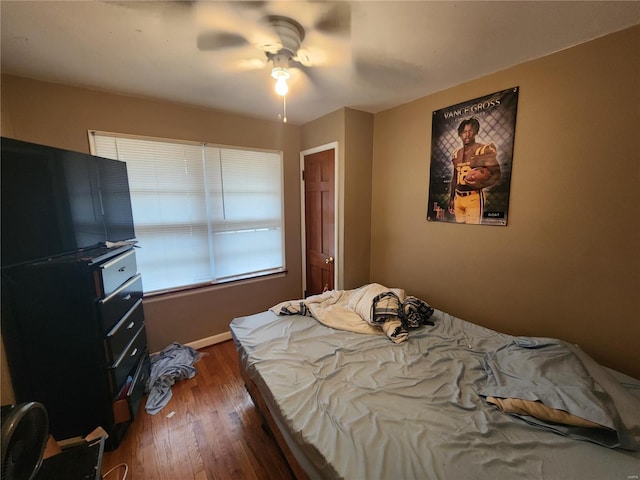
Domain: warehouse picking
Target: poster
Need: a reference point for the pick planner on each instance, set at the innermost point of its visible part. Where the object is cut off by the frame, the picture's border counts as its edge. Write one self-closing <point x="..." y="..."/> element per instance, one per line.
<point x="471" y="158"/>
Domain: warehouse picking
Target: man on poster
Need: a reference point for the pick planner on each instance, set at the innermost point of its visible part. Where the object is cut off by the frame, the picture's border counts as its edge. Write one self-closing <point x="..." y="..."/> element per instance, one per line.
<point x="475" y="167"/>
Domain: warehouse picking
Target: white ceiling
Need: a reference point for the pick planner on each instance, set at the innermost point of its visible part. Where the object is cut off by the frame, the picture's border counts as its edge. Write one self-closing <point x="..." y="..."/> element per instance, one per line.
<point x="376" y="55"/>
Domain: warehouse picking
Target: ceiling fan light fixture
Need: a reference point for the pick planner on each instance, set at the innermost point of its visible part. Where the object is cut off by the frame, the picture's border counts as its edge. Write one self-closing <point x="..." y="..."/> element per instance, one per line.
<point x="281" y="87"/>
<point x="281" y="74"/>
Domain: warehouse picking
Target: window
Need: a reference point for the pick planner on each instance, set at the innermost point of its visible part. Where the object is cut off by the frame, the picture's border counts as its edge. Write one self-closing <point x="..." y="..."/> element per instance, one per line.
<point x="202" y="213"/>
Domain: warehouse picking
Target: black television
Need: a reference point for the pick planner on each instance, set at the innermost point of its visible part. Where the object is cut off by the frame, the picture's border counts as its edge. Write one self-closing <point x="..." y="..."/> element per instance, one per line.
<point x="56" y="201"/>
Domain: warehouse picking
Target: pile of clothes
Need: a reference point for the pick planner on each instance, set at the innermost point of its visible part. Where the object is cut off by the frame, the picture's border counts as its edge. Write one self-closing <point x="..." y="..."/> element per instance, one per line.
<point x="372" y="308"/>
<point x="173" y="363"/>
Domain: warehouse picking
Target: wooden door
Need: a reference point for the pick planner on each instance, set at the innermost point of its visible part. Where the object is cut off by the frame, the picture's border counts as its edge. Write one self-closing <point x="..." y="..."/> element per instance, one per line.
<point x="319" y="208"/>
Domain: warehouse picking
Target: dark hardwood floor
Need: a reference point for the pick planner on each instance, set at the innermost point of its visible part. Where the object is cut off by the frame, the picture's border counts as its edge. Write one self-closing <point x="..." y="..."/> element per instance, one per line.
<point x="209" y="430"/>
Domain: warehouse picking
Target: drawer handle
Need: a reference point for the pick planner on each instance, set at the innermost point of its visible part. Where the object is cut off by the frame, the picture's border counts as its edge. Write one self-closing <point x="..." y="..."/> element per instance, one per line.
<point x="133" y="354"/>
<point x="128" y="297"/>
<point x="131" y="325"/>
<point x="122" y="269"/>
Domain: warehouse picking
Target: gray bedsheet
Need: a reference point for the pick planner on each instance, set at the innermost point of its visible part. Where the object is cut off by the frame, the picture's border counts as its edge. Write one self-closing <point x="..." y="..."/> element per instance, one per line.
<point x="553" y="372"/>
<point x="360" y="407"/>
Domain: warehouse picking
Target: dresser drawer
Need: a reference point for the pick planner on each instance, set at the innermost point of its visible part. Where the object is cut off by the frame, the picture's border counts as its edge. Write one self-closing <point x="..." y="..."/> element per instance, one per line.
<point x="120" y="302"/>
<point x="110" y="275"/>
<point x="127" y="405"/>
<point x="121" y="335"/>
<point x="123" y="367"/>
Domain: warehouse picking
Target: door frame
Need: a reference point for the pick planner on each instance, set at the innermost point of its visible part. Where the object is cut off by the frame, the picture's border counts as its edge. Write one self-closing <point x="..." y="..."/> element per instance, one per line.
<point x="338" y="236"/>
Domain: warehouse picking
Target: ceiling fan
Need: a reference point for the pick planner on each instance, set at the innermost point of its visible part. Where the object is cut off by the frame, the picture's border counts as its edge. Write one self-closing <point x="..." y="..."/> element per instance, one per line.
<point x="269" y="27"/>
<point x="285" y="53"/>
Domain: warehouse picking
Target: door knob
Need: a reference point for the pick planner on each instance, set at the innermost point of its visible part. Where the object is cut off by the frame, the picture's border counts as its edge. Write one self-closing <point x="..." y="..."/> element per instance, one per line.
<point x="329" y="260"/>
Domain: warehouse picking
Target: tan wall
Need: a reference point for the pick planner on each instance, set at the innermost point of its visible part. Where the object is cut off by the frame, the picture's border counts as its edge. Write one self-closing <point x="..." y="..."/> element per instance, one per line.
<point x="326" y="129"/>
<point x="60" y="116"/>
<point x="568" y="263"/>
<point x="357" y="203"/>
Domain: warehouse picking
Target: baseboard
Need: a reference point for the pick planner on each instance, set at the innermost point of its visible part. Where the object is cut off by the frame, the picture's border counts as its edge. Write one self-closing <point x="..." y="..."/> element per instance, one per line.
<point x="208" y="341"/>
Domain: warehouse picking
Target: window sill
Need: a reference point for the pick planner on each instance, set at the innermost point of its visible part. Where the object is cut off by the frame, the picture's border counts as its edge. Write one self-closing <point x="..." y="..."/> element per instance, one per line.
<point x="240" y="280"/>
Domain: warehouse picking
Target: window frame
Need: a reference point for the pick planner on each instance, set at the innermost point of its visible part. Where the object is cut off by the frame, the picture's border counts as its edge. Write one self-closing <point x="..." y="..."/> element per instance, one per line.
<point x="221" y="280"/>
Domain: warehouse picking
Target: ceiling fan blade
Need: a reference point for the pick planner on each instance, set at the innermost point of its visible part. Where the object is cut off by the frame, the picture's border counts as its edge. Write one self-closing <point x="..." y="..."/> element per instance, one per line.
<point x="313" y="76"/>
<point x="167" y="8"/>
<point x="322" y="50"/>
<point x="303" y="81"/>
<point x="336" y="20"/>
<point x="220" y="40"/>
<point x="225" y="24"/>
<point x="316" y="78"/>
<point x="304" y="58"/>
<point x="253" y="63"/>
<point x="387" y="72"/>
<point x="250" y="4"/>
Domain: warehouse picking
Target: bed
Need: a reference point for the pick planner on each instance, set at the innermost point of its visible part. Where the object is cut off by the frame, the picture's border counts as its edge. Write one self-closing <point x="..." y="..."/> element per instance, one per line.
<point x="344" y="404"/>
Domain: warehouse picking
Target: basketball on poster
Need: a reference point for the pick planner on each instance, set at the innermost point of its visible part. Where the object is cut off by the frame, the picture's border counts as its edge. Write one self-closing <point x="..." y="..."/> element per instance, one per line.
<point x="471" y="160"/>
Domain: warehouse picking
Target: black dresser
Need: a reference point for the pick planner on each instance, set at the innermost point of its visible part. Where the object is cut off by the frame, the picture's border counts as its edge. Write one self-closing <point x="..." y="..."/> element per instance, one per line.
<point x="74" y="335"/>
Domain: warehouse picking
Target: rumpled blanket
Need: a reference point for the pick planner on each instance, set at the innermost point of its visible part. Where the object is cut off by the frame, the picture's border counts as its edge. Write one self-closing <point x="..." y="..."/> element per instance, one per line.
<point x="372" y="308"/>
<point x="560" y="376"/>
<point x="173" y="363"/>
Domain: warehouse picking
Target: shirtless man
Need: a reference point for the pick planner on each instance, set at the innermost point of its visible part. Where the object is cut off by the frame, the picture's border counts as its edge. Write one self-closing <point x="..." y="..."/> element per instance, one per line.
<point x="475" y="167"/>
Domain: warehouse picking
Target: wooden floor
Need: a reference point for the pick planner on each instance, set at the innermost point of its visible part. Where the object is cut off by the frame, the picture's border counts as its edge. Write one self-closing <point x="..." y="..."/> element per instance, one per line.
<point x="208" y="430"/>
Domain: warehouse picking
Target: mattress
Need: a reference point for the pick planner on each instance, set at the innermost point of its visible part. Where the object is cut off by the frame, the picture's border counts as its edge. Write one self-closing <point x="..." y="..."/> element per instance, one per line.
<point x="357" y="406"/>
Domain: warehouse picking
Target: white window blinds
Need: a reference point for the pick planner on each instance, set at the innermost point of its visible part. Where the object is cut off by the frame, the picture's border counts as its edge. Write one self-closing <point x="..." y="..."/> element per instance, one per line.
<point x="202" y="213"/>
